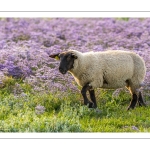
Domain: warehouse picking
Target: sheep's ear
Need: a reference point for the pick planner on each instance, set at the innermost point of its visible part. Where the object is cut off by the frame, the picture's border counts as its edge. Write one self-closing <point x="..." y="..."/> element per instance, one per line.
<point x="74" y="56"/>
<point x="55" y="56"/>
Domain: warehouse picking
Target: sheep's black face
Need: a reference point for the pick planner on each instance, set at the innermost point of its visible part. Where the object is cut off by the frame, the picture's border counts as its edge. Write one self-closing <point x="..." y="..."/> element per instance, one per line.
<point x="66" y="62"/>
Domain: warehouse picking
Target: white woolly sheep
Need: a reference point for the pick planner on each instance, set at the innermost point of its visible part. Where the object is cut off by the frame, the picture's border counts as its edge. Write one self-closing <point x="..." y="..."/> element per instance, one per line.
<point x="110" y="69"/>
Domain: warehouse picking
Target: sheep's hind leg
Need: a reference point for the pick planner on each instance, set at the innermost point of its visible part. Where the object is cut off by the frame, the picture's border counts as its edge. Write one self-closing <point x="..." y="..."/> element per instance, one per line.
<point x="133" y="101"/>
<point x="83" y="92"/>
<point x="140" y="100"/>
<point x="92" y="96"/>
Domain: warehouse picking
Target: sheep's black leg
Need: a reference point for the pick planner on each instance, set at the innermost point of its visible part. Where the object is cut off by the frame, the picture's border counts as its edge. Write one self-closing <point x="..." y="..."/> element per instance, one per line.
<point x="83" y="92"/>
<point x="133" y="101"/>
<point x="140" y="100"/>
<point x="92" y="96"/>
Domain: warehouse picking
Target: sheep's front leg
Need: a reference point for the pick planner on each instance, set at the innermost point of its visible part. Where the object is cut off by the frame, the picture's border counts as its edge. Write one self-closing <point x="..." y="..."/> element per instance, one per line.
<point x="83" y="92"/>
<point x="92" y="96"/>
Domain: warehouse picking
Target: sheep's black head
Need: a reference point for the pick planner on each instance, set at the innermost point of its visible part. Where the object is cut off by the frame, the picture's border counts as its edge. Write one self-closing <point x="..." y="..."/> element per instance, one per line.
<point x="66" y="61"/>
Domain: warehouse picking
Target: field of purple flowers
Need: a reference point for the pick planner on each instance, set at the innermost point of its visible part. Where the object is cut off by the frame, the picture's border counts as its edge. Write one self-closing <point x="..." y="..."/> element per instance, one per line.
<point x="25" y="45"/>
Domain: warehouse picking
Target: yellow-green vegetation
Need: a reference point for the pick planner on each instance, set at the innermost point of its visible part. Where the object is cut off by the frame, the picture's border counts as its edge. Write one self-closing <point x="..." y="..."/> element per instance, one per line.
<point x="22" y="110"/>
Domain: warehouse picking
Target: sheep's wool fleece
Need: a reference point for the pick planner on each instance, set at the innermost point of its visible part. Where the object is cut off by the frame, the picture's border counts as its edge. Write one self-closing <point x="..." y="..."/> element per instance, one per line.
<point x="109" y="69"/>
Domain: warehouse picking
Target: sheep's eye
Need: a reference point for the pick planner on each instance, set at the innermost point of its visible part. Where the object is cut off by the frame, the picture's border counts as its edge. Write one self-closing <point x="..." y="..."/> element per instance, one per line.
<point x="68" y="58"/>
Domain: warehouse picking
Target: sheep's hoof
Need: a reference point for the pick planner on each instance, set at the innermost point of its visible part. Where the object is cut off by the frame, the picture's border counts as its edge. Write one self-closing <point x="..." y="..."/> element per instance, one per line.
<point x="91" y="105"/>
<point x="130" y="107"/>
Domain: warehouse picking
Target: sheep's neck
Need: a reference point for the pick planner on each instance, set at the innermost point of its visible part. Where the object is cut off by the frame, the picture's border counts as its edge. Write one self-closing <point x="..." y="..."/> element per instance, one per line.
<point x="80" y="72"/>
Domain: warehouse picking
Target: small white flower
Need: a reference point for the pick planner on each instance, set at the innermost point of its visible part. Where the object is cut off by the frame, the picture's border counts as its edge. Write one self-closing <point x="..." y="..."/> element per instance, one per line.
<point x="135" y="128"/>
<point x="116" y="92"/>
<point x="39" y="109"/>
<point x="23" y="94"/>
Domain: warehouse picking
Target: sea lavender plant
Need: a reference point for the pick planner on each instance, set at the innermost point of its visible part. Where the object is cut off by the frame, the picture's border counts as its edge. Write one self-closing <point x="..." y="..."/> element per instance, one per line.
<point x="25" y="45"/>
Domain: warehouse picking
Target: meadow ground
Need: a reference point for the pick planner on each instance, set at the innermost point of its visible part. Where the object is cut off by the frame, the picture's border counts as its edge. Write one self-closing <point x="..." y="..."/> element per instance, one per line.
<point x="59" y="112"/>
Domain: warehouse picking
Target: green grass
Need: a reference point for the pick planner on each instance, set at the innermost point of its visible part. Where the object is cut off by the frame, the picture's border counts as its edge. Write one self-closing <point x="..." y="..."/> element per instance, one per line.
<point x="65" y="113"/>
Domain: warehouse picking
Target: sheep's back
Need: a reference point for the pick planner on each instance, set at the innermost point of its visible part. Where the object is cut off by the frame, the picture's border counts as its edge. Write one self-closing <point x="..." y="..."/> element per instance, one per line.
<point x="118" y="67"/>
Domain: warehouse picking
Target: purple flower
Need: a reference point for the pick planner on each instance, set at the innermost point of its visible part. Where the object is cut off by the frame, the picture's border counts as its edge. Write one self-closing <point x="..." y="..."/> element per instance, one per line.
<point x="26" y="43"/>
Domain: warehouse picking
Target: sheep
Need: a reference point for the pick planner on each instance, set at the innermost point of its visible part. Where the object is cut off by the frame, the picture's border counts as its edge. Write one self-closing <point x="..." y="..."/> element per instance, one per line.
<point x="111" y="69"/>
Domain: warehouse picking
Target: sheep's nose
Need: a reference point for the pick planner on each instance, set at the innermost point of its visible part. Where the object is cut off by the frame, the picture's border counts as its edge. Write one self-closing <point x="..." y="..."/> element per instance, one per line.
<point x="62" y="70"/>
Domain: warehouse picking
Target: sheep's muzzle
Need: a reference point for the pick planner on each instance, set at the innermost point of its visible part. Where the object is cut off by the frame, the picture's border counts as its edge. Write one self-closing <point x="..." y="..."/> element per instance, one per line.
<point x="62" y="70"/>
